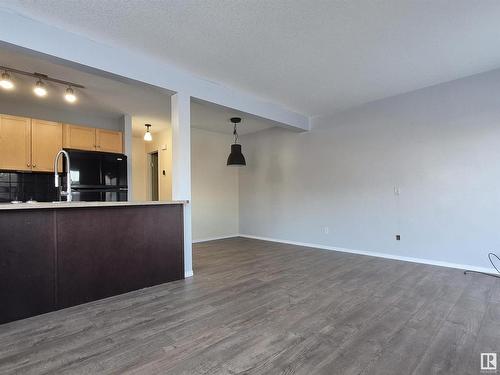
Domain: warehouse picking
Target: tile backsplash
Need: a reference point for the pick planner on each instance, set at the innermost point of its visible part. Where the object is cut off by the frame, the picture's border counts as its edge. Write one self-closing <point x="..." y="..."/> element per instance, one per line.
<point x="27" y="186"/>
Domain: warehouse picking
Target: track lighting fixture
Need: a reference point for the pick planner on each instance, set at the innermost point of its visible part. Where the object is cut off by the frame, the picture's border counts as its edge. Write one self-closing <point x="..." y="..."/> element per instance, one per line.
<point x="70" y="96"/>
<point x="40" y="89"/>
<point x="148" y="136"/>
<point x="6" y="81"/>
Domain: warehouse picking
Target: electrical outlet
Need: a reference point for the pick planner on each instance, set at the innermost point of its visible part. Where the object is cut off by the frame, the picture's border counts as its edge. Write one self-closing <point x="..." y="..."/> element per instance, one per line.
<point x="326" y="230"/>
<point x="398" y="237"/>
<point x="397" y="190"/>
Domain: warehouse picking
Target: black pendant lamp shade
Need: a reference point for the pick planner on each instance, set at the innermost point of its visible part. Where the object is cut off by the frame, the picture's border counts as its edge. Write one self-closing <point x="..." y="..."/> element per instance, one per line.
<point x="236" y="158"/>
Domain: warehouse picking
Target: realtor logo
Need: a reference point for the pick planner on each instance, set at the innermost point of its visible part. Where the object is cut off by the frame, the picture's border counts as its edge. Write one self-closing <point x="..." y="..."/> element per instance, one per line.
<point x="489" y="362"/>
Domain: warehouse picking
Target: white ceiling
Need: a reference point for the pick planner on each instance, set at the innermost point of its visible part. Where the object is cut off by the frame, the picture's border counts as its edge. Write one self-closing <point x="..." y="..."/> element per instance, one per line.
<point x="315" y="57"/>
<point x="212" y="117"/>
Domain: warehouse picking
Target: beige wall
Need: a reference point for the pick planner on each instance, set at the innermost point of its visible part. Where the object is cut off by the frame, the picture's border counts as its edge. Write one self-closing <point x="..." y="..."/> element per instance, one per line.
<point x="139" y="165"/>
<point x="162" y="142"/>
<point x="214" y="194"/>
<point x="141" y="189"/>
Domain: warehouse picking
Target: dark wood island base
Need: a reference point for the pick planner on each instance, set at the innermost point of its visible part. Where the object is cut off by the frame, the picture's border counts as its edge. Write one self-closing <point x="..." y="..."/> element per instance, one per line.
<point x="52" y="258"/>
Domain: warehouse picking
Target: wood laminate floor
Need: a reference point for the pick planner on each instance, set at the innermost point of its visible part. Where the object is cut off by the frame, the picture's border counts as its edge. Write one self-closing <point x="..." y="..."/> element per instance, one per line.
<point x="258" y="307"/>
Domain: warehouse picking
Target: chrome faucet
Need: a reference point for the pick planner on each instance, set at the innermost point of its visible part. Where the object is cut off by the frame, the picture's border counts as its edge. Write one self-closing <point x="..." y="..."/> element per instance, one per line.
<point x="67" y="193"/>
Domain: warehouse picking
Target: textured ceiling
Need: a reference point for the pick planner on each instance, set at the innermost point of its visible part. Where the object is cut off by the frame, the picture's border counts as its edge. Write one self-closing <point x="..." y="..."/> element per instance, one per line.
<point x="315" y="57"/>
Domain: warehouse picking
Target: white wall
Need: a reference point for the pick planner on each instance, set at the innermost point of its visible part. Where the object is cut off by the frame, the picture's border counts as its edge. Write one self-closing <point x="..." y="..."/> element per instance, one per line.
<point x="214" y="194"/>
<point x="440" y="146"/>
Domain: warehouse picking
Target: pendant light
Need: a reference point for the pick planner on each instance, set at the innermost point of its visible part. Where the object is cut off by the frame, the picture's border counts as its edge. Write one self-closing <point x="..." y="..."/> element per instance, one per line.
<point x="148" y="136"/>
<point x="236" y="158"/>
<point x="40" y="89"/>
<point x="6" y="81"/>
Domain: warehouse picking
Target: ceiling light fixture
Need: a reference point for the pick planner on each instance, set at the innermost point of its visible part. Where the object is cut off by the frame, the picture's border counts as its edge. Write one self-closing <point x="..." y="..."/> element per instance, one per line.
<point x="236" y="158"/>
<point x="148" y="136"/>
<point x="40" y="89"/>
<point x="69" y="95"/>
<point x="6" y="81"/>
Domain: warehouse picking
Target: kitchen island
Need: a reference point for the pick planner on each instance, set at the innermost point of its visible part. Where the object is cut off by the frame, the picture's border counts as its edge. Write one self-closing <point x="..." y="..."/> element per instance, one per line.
<point x="57" y="255"/>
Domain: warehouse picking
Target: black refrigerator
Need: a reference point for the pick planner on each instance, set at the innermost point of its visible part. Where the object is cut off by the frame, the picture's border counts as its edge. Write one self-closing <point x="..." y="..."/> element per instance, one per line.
<point x="98" y="176"/>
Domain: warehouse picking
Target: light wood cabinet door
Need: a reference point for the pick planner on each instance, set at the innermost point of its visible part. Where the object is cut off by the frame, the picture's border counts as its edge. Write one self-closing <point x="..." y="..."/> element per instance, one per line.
<point x="109" y="141"/>
<point x="15" y="143"/>
<point x="46" y="141"/>
<point x="79" y="137"/>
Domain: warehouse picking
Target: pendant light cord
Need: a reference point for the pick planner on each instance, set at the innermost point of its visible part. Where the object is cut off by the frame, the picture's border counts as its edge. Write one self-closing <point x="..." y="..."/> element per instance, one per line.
<point x="235" y="133"/>
<point x="490" y="257"/>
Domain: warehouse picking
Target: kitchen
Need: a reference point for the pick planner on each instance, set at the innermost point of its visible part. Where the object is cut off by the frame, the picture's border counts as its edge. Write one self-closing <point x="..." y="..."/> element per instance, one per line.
<point x="71" y="238"/>
<point x="28" y="148"/>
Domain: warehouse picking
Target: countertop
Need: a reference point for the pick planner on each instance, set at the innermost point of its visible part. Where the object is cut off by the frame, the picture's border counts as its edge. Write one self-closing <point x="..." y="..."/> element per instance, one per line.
<point x="50" y="205"/>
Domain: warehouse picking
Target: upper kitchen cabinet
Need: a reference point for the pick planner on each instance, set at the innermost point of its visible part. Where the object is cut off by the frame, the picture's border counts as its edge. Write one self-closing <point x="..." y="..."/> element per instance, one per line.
<point x="46" y="141"/>
<point x="79" y="137"/>
<point x="92" y="139"/>
<point x="15" y="143"/>
<point x="109" y="141"/>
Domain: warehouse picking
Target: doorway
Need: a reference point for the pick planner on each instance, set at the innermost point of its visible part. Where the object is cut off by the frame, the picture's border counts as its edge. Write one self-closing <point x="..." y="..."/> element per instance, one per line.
<point x="154" y="176"/>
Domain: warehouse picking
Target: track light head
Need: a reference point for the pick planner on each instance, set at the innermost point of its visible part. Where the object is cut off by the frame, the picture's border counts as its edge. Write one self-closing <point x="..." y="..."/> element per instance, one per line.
<point x="40" y="89"/>
<point x="6" y="81"/>
<point x="69" y="95"/>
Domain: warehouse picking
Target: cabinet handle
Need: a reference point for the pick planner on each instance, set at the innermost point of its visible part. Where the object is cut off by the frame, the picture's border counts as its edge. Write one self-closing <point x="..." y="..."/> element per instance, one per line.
<point x="34" y="165"/>
<point x="27" y="164"/>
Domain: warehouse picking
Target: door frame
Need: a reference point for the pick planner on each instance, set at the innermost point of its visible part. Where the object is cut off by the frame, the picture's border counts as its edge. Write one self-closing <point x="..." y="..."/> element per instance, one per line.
<point x="149" y="176"/>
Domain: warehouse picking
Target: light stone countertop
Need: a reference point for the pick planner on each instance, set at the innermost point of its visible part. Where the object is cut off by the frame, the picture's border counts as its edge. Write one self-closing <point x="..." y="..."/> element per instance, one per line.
<point x="51" y="205"/>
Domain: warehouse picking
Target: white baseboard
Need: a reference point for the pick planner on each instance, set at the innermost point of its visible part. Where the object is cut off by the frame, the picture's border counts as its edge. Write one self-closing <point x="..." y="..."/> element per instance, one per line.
<point x="376" y="254"/>
<point x="216" y="238"/>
